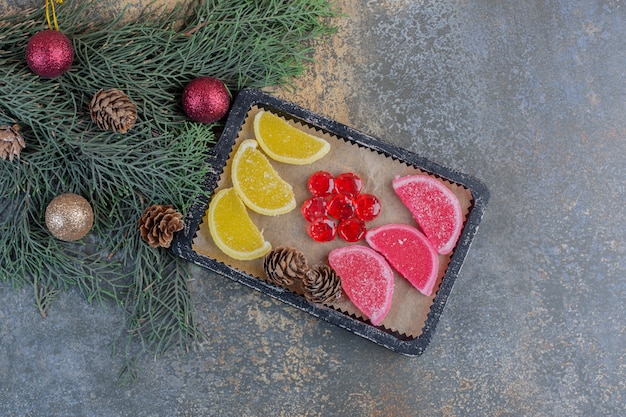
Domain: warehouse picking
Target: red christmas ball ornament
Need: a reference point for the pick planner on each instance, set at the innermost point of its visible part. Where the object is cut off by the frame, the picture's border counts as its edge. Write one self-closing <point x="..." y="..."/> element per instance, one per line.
<point x="206" y="100"/>
<point x="49" y="53"/>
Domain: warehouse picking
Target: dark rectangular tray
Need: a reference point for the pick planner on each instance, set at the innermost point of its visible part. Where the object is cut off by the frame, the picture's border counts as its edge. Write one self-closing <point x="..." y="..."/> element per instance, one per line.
<point x="219" y="154"/>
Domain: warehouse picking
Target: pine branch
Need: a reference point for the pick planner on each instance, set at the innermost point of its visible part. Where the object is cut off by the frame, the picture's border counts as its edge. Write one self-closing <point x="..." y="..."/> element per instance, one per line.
<point x="162" y="160"/>
<point x="44" y="297"/>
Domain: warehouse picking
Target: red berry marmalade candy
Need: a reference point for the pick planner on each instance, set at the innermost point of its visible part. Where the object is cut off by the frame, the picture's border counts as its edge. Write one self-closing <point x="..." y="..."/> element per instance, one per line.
<point x="341" y="199"/>
<point x="314" y="208"/>
<point x="351" y="230"/>
<point x="321" y="184"/>
<point x="322" y="229"/>
<point x="341" y="206"/>
<point x="348" y="183"/>
<point x="367" y="207"/>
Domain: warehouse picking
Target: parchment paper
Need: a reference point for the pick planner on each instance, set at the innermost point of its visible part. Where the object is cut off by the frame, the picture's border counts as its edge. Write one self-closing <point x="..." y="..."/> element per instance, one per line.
<point x="410" y="308"/>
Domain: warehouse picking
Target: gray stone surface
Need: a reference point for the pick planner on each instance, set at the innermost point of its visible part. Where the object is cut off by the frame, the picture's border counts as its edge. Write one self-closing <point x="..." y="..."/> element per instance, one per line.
<point x="530" y="98"/>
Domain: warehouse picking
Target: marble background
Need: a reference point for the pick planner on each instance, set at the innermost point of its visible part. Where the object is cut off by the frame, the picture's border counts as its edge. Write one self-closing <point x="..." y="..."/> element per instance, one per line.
<point x="527" y="96"/>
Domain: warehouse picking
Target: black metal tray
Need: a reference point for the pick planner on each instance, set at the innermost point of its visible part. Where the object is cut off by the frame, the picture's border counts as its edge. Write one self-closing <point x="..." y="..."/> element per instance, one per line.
<point x="218" y="157"/>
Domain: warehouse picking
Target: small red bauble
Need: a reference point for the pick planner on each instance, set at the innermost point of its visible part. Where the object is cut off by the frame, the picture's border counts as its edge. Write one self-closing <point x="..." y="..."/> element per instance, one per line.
<point x="49" y="53"/>
<point x="206" y="100"/>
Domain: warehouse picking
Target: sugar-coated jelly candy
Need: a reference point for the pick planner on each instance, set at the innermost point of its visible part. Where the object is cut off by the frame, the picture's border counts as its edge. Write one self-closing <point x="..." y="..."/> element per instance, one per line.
<point x="366" y="278"/>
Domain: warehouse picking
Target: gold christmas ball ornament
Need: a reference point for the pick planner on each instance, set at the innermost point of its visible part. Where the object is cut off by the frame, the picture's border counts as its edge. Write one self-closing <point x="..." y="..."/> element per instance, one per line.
<point x="69" y="217"/>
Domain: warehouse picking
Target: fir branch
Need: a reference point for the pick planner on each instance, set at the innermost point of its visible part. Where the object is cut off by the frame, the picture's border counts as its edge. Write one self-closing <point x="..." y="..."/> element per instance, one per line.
<point x="162" y="304"/>
<point x="44" y="296"/>
<point x="162" y="160"/>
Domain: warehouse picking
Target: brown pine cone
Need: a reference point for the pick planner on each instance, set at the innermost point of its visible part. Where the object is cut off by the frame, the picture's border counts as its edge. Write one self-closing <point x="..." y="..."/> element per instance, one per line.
<point x="11" y="142"/>
<point x="158" y="224"/>
<point x="283" y="265"/>
<point x="321" y="284"/>
<point x="113" y="110"/>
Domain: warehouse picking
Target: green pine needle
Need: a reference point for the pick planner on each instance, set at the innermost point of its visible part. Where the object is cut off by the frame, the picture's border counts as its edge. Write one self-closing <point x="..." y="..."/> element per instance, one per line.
<point x="161" y="160"/>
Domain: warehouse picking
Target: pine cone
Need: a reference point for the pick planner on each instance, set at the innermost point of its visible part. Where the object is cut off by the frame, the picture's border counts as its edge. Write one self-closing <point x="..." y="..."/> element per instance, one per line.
<point x="11" y="142"/>
<point x="113" y="110"/>
<point x="283" y="265"/>
<point x="321" y="284"/>
<point x="158" y="224"/>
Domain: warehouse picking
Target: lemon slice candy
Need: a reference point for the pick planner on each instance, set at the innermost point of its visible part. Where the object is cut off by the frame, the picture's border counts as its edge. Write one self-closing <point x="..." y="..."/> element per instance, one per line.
<point x="231" y="228"/>
<point x="286" y="143"/>
<point x="258" y="184"/>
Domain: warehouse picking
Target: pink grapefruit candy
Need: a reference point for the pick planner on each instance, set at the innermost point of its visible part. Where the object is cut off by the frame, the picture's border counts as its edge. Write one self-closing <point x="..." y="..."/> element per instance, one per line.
<point x="366" y="278"/>
<point x="435" y="208"/>
<point x="409" y="252"/>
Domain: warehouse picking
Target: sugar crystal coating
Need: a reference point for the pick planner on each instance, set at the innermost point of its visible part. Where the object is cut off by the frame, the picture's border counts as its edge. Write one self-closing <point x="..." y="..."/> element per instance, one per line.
<point x="366" y="278"/>
<point x="409" y="252"/>
<point x="435" y="208"/>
